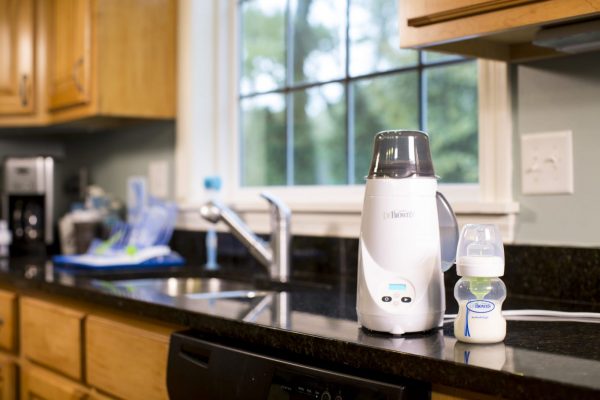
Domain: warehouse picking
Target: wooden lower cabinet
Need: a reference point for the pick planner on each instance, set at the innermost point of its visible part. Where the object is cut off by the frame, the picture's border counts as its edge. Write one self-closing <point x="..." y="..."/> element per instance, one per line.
<point x="8" y="318"/>
<point x="8" y="378"/>
<point x="127" y="358"/>
<point x="51" y="334"/>
<point x="37" y="383"/>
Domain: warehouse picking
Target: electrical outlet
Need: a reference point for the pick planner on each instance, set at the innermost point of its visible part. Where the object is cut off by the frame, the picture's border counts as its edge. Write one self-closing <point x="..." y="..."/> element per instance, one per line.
<point x="547" y="163"/>
<point x="158" y="179"/>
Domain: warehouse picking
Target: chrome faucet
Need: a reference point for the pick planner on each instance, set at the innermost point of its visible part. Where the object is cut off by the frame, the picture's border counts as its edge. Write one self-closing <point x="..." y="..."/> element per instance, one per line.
<point x="275" y="256"/>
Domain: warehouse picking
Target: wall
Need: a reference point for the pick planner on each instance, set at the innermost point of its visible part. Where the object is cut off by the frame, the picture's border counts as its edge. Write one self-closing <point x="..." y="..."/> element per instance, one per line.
<point x="113" y="156"/>
<point x="110" y="157"/>
<point x="561" y="94"/>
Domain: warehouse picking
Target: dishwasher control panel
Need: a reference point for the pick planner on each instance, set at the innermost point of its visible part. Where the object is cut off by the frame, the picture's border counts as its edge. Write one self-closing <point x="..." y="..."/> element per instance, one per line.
<point x="292" y="386"/>
<point x="203" y="369"/>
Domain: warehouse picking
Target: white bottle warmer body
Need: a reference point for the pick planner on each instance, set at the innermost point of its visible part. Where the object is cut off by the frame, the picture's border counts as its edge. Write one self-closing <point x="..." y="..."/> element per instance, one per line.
<point x="400" y="279"/>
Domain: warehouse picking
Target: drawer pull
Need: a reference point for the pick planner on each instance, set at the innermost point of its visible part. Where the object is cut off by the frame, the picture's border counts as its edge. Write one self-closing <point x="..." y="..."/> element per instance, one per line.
<point x="23" y="91"/>
<point x="75" y="74"/>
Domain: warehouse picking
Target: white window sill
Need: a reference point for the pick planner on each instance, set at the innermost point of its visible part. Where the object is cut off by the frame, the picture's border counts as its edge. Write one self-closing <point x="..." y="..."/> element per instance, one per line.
<point x="342" y="219"/>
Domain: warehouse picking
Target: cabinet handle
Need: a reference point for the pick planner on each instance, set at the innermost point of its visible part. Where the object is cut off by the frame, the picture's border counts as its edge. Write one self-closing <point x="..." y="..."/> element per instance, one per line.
<point x="78" y="64"/>
<point x="23" y="91"/>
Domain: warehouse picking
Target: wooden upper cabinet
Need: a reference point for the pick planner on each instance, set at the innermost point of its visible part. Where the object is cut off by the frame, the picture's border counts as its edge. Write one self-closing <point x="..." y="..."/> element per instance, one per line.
<point x="16" y="57"/>
<point x="111" y="59"/>
<point x="69" y="60"/>
<point x="422" y="13"/>
<point x="497" y="29"/>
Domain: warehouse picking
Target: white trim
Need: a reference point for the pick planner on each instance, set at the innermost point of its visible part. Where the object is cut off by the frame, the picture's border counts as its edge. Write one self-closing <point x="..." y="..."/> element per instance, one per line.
<point x="195" y="98"/>
<point x="208" y="140"/>
<point x="495" y="127"/>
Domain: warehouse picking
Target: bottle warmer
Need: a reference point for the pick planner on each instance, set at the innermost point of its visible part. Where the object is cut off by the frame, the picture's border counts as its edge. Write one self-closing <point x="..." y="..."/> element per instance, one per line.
<point x="408" y="236"/>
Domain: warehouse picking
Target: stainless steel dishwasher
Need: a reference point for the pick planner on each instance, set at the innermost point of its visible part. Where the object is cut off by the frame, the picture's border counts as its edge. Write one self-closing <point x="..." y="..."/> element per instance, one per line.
<point x="201" y="369"/>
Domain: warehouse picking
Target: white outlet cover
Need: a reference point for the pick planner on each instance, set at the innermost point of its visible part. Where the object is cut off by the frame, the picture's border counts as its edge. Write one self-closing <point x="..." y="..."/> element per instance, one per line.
<point x="547" y="163"/>
<point x="158" y="179"/>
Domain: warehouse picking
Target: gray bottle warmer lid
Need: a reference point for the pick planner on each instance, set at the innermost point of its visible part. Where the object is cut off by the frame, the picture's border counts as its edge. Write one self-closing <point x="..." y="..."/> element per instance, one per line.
<point x="401" y="154"/>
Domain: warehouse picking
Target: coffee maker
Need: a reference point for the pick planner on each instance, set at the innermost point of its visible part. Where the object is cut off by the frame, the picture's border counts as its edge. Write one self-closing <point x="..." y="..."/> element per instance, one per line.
<point x="28" y="203"/>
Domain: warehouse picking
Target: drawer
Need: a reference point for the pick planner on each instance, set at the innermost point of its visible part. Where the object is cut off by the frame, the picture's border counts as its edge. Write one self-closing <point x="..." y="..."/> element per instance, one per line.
<point x="40" y="384"/>
<point x="51" y="334"/>
<point x="127" y="358"/>
<point x="8" y="320"/>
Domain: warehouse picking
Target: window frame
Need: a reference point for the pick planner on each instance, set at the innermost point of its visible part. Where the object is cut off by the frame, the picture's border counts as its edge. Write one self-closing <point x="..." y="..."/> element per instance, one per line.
<point x="347" y="80"/>
<point x="208" y="138"/>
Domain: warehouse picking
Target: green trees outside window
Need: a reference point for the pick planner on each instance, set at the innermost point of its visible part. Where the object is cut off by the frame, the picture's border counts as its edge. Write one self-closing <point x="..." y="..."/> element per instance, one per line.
<point x="319" y="78"/>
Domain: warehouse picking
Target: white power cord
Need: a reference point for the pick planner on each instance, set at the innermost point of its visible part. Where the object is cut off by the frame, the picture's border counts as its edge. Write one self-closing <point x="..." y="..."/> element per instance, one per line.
<point x="544" y="315"/>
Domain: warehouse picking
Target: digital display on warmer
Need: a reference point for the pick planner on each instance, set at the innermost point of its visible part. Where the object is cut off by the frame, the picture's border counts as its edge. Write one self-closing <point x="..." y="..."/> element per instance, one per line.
<point x="397" y="287"/>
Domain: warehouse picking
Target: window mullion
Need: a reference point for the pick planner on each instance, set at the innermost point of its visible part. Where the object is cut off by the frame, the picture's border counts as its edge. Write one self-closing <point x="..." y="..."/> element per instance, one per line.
<point x="349" y="106"/>
<point x="289" y="137"/>
<point x="350" y="161"/>
<point x="422" y="94"/>
<point x="289" y="98"/>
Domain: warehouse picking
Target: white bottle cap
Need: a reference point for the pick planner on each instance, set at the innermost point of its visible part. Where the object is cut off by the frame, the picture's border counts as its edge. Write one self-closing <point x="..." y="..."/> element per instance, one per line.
<point x="480" y="251"/>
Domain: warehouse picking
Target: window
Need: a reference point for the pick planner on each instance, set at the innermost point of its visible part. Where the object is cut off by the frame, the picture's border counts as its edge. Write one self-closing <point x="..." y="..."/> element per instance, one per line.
<point x="318" y="78"/>
<point x="224" y="109"/>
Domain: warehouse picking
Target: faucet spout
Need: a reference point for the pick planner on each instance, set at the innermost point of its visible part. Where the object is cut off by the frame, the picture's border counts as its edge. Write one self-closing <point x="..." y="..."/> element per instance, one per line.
<point x="274" y="255"/>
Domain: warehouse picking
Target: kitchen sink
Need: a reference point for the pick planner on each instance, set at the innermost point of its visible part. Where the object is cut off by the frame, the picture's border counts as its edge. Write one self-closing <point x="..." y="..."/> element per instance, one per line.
<point x="190" y="288"/>
<point x="216" y="296"/>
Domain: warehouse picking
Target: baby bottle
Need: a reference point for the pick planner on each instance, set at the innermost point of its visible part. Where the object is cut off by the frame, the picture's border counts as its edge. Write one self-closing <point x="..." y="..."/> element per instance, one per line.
<point x="480" y="293"/>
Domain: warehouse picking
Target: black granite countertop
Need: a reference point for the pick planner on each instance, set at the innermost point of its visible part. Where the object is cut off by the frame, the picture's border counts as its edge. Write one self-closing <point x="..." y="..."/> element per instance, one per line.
<point x="538" y="359"/>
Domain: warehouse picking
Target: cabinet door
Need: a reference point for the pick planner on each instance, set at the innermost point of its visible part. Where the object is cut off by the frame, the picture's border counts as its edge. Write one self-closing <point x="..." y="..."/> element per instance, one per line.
<point x="8" y="376"/>
<point x="16" y="56"/>
<point x="127" y="358"/>
<point x="8" y="320"/>
<point x="69" y="53"/>
<point x="40" y="384"/>
<point x="51" y="334"/>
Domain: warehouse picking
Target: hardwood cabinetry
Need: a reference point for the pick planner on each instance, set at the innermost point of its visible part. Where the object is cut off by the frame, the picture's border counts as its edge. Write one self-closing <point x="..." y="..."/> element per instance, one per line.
<point x="71" y="60"/>
<point x="70" y="39"/>
<point x="497" y="29"/>
<point x="16" y="56"/>
<point x="111" y="58"/>
<point x="8" y="378"/>
<point x="39" y="384"/>
<point x="127" y="358"/>
<point x="51" y="334"/>
<point x="8" y="318"/>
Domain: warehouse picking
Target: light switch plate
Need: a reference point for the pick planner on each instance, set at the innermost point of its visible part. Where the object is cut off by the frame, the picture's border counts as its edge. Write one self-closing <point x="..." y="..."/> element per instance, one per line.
<point x="158" y="179"/>
<point x="547" y="163"/>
